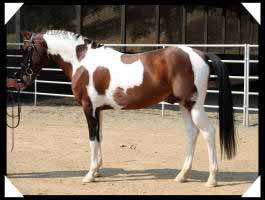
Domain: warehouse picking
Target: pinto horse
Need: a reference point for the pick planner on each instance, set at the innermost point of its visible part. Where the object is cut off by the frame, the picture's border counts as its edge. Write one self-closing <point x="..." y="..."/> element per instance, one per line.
<point x="103" y="78"/>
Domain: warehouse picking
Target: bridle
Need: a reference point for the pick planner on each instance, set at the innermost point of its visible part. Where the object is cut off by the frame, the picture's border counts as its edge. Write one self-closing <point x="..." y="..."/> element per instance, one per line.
<point x="26" y="69"/>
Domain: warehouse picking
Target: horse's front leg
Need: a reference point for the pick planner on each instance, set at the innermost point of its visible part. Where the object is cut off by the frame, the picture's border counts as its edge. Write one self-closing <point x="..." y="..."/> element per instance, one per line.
<point x="99" y="116"/>
<point x="100" y="161"/>
<point x="94" y="140"/>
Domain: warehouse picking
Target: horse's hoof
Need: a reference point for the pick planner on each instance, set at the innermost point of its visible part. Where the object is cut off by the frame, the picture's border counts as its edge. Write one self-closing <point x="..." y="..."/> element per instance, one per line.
<point x="97" y="174"/>
<point x="211" y="184"/>
<point x="88" y="179"/>
<point x="180" y="179"/>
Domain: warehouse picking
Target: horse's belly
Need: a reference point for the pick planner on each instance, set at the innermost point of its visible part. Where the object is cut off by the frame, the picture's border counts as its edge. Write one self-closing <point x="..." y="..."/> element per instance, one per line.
<point x="140" y="97"/>
<point x="133" y="98"/>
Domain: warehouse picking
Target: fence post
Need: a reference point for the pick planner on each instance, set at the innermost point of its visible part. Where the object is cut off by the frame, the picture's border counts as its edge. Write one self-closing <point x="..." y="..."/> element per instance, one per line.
<point x="247" y="88"/>
<point x="245" y="101"/>
<point x="35" y="92"/>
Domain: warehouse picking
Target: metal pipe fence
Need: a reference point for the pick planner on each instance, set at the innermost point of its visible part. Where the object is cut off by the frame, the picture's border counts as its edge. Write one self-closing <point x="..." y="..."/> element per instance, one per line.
<point x="246" y="62"/>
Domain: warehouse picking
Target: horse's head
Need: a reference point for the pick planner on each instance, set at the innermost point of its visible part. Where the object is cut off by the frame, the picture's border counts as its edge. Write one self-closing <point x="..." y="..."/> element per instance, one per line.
<point x="34" y="58"/>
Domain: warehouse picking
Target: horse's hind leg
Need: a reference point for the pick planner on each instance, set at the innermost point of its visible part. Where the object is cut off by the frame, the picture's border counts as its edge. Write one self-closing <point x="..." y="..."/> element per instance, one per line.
<point x="201" y="120"/>
<point x="201" y="75"/>
<point x="192" y="133"/>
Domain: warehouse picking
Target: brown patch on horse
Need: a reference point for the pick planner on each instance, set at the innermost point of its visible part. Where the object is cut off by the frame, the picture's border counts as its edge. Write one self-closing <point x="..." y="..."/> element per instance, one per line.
<point x="182" y="76"/>
<point x="129" y="58"/>
<point x="79" y="82"/>
<point x="65" y="66"/>
<point x="101" y="79"/>
<point x="82" y="48"/>
<point x="81" y="51"/>
<point x="166" y="72"/>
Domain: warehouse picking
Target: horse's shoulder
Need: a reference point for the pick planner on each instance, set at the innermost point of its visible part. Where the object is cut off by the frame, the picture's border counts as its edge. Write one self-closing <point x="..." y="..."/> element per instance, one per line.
<point x="81" y="75"/>
<point x="80" y="80"/>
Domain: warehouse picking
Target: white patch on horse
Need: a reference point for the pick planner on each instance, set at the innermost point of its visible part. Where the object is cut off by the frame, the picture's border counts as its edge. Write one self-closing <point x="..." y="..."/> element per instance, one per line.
<point x="64" y="44"/>
<point x="122" y="75"/>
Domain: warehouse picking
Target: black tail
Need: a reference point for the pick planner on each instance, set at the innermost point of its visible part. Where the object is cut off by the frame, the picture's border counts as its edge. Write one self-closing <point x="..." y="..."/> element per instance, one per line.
<point x="226" y="114"/>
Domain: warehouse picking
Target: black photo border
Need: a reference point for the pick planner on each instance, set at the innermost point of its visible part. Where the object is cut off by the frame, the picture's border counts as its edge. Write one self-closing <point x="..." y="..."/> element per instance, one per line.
<point x="261" y="67"/>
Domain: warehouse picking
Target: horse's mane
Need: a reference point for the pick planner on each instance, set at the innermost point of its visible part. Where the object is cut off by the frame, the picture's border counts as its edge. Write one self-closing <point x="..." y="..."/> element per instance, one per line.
<point x="64" y="33"/>
<point x="73" y="36"/>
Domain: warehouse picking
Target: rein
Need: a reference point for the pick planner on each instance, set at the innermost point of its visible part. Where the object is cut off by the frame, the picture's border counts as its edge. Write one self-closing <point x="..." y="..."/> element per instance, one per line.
<point x="13" y="116"/>
<point x="15" y="101"/>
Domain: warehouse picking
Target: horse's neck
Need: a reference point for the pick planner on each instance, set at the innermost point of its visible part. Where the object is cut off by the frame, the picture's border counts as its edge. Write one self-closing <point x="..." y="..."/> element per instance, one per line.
<point x="63" y="52"/>
<point x="67" y="67"/>
<point x="66" y="48"/>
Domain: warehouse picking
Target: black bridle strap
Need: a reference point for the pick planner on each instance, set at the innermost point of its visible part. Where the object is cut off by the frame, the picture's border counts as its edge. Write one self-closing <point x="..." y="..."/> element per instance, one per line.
<point x="28" y="71"/>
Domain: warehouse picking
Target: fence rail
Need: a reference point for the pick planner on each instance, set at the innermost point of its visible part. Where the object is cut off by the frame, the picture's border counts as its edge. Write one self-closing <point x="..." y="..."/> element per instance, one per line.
<point x="246" y="61"/>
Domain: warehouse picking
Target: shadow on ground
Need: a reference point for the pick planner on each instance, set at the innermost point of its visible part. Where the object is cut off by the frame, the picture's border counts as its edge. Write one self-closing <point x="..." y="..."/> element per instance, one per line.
<point x="118" y="174"/>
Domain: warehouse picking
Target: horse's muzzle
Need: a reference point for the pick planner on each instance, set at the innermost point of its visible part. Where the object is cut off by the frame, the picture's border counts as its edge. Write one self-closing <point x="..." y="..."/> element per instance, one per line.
<point x="26" y="75"/>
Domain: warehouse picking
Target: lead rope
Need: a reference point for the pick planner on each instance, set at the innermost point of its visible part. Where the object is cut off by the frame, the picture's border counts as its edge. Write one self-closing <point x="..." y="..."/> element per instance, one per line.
<point x="13" y="132"/>
<point x="13" y="116"/>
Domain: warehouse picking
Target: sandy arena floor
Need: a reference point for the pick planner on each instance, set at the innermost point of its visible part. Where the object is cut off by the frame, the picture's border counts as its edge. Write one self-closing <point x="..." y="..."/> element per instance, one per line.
<point x="142" y="154"/>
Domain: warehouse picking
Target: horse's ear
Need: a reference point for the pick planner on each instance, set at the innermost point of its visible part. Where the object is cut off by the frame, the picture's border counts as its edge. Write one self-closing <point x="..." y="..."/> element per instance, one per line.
<point x="26" y="35"/>
<point x="94" y="44"/>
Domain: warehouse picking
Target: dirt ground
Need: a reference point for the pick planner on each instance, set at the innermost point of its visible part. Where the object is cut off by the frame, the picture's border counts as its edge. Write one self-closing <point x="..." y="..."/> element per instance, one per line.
<point x="142" y="154"/>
